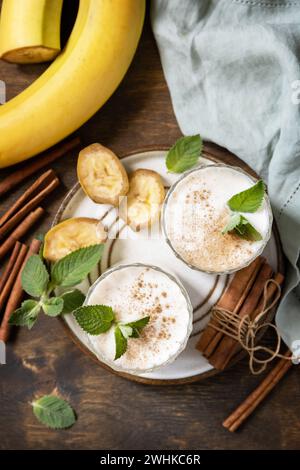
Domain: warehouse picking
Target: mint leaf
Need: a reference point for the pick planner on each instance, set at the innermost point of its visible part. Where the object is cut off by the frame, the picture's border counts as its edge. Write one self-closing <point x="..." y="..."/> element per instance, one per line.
<point x="34" y="276"/>
<point x="26" y="315"/>
<point x="233" y="222"/>
<point x="95" y="319"/>
<point x="73" y="268"/>
<point x="184" y="154"/>
<point x="245" y="230"/>
<point x="54" y="412"/>
<point x="242" y="227"/>
<point x="126" y="330"/>
<point x="53" y="306"/>
<point x="72" y="300"/>
<point x="137" y="326"/>
<point x="121" y="343"/>
<point x="249" y="200"/>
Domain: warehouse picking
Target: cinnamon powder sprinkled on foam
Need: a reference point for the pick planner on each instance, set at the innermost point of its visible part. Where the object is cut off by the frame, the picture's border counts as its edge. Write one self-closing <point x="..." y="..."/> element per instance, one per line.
<point x="196" y="216"/>
<point x="153" y="334"/>
<point x="217" y="251"/>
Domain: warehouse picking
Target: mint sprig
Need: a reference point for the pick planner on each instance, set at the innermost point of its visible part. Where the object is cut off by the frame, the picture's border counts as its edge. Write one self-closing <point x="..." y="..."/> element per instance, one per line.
<point x="184" y="154"/>
<point x="39" y="283"/>
<point x="54" y="412"/>
<point x="249" y="200"/>
<point x="98" y="319"/>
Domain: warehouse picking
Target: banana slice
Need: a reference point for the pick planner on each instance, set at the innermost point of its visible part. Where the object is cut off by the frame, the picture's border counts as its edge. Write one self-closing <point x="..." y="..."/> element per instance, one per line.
<point x="102" y="175"/>
<point x="143" y="203"/>
<point x="72" y="234"/>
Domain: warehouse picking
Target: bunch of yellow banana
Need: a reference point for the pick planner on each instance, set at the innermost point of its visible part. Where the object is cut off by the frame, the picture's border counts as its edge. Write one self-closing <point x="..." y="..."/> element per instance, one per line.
<point x="79" y="81"/>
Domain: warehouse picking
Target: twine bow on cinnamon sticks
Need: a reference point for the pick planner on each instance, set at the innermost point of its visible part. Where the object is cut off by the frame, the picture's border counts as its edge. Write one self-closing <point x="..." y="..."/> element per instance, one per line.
<point x="245" y="331"/>
<point x="240" y="316"/>
<point x="236" y="323"/>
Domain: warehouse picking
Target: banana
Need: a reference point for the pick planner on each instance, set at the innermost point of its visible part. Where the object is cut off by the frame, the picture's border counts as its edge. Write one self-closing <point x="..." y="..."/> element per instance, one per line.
<point x="72" y="234"/>
<point x="79" y="81"/>
<point x="144" y="199"/>
<point x="102" y="175"/>
<point x="30" y="30"/>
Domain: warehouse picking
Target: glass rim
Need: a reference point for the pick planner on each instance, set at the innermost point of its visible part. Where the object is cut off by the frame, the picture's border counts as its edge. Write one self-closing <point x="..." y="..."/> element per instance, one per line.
<point x="185" y="294"/>
<point x="203" y="167"/>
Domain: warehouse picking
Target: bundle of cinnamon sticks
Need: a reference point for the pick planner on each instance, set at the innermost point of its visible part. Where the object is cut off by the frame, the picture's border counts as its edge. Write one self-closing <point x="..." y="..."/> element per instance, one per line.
<point x="244" y="296"/>
<point x="26" y="211"/>
<point x="17" y="222"/>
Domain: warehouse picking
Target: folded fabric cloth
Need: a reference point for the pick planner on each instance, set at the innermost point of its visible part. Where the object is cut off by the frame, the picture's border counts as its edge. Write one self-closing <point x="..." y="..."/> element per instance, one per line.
<point x="233" y="70"/>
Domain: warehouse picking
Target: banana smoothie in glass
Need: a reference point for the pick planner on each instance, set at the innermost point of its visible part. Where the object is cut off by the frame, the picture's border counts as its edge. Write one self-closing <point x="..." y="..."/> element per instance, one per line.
<point x="195" y="213"/>
<point x="135" y="291"/>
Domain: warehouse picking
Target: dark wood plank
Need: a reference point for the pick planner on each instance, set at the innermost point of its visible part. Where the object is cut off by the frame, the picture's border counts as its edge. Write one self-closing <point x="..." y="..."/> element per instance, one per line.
<point x="114" y="413"/>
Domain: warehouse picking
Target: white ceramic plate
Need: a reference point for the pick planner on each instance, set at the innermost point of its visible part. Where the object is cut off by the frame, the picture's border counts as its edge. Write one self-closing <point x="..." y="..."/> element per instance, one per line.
<point x="126" y="246"/>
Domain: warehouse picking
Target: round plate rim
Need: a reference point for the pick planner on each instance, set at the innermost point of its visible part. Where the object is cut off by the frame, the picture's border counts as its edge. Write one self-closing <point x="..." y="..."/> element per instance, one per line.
<point x="193" y="378"/>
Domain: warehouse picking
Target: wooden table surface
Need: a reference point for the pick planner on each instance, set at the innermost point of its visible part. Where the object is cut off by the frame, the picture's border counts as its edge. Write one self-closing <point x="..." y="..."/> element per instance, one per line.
<point x="114" y="413"/>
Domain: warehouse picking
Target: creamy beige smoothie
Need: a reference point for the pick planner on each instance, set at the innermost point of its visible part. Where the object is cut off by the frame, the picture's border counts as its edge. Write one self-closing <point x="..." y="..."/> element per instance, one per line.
<point x="136" y="291"/>
<point x="195" y="213"/>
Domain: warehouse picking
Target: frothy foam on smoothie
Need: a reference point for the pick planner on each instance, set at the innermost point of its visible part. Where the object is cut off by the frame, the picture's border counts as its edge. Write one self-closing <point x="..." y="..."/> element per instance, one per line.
<point x="196" y="213"/>
<point x="135" y="292"/>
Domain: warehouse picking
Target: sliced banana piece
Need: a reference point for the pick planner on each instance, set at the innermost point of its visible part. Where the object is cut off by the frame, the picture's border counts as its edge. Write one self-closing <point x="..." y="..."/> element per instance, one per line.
<point x="72" y="234"/>
<point x="102" y="175"/>
<point x="144" y="199"/>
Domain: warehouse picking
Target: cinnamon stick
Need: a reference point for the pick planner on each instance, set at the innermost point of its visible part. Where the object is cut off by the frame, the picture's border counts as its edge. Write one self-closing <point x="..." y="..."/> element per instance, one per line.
<point x="236" y="418"/>
<point x="27" y="208"/>
<point x="232" y="300"/>
<point x="20" y="231"/>
<point x="43" y="181"/>
<point x="39" y="162"/>
<point x="16" y="294"/>
<point x="5" y="292"/>
<point x="227" y="346"/>
<point x="10" y="265"/>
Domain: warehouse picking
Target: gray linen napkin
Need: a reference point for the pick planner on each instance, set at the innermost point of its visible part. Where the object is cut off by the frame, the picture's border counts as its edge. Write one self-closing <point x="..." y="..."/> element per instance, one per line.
<point x="233" y="70"/>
